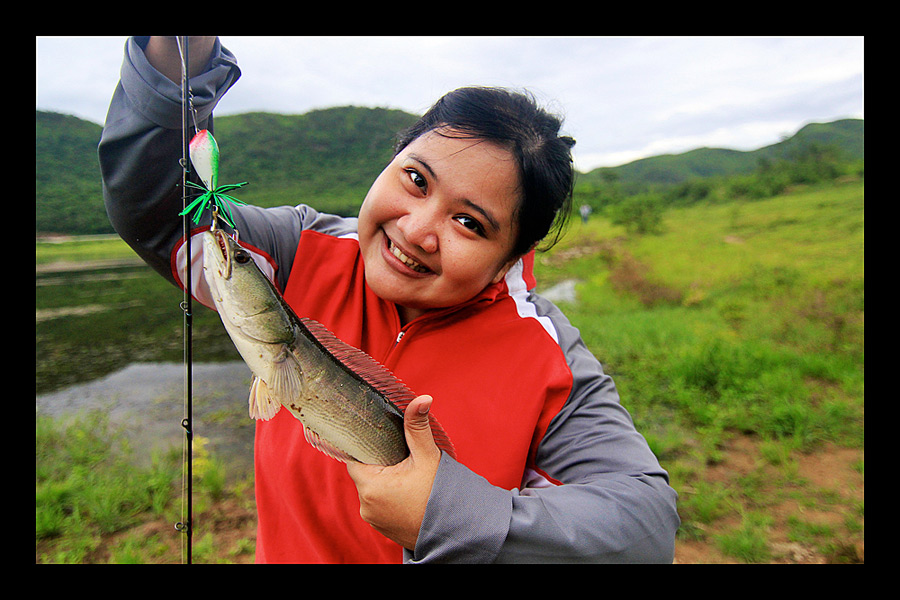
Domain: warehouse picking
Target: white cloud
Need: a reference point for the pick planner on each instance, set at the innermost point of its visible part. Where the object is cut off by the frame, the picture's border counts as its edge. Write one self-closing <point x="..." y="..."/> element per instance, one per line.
<point x="623" y="98"/>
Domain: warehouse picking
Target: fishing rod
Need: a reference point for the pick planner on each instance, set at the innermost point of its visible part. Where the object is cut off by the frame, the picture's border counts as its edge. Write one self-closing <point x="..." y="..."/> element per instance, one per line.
<point x="186" y="524"/>
<point x="215" y="198"/>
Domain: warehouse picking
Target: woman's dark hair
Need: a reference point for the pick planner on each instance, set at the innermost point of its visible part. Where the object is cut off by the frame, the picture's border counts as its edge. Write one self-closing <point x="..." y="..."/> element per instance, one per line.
<point x="514" y="121"/>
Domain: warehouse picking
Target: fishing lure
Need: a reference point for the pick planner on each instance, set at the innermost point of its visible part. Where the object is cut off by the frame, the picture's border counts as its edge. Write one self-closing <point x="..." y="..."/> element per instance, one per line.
<point x="204" y="153"/>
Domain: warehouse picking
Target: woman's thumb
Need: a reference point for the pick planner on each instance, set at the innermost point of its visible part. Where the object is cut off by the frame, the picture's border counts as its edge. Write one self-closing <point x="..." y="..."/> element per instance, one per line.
<point x="418" y="425"/>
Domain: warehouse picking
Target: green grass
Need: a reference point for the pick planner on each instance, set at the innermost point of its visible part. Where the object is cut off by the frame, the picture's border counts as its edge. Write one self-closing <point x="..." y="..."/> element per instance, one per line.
<point x="749" y="542"/>
<point x="738" y="319"/>
<point x="81" y="249"/>
<point x="86" y="486"/>
<point x="91" y="498"/>
<point x="733" y="334"/>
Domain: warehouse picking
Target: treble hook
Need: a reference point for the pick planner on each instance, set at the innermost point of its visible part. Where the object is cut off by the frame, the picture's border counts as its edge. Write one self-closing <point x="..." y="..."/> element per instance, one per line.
<point x="215" y="218"/>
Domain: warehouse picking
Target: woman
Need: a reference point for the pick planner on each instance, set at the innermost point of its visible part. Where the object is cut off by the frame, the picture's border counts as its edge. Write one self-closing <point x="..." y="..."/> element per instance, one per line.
<point x="432" y="280"/>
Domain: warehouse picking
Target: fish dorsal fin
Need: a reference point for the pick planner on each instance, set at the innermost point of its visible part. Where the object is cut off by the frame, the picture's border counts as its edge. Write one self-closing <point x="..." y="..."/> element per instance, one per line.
<point x="375" y="374"/>
<point x="363" y="365"/>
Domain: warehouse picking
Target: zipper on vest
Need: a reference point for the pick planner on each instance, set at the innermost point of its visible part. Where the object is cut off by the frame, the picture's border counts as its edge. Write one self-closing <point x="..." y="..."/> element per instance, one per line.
<point x="390" y="351"/>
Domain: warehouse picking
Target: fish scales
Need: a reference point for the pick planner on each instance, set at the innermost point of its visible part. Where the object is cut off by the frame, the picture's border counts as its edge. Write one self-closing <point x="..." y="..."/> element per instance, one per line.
<point x="351" y="406"/>
<point x="338" y="399"/>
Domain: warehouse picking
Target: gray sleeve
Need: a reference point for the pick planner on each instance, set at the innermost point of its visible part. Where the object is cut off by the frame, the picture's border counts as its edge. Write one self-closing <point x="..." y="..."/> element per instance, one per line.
<point x="139" y="152"/>
<point x="141" y="145"/>
<point x="614" y="503"/>
<point x="277" y="231"/>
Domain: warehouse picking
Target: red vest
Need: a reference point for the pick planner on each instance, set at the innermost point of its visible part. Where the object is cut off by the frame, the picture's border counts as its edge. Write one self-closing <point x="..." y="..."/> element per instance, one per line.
<point x="497" y="379"/>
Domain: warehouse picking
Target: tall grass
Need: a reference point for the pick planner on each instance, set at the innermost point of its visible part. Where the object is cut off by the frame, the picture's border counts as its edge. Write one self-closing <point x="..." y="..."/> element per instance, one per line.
<point x="745" y="317"/>
<point x="87" y="486"/>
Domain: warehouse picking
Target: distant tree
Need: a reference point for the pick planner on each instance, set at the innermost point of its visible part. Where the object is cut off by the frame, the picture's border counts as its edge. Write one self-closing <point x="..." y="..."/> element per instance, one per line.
<point x="641" y="214"/>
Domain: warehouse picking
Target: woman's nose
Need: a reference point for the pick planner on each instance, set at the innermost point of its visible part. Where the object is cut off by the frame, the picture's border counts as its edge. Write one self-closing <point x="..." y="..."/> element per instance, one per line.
<point x="419" y="227"/>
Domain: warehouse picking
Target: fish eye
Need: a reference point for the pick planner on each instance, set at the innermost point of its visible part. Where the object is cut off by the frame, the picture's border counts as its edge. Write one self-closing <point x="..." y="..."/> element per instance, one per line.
<point x="241" y="256"/>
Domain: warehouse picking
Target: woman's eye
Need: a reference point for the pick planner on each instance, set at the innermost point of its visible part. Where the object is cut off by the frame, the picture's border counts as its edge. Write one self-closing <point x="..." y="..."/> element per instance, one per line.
<point x="470" y="224"/>
<point x="417" y="179"/>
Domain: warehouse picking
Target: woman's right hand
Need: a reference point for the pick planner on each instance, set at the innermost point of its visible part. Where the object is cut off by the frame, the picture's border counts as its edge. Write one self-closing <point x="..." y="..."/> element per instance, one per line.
<point x="163" y="54"/>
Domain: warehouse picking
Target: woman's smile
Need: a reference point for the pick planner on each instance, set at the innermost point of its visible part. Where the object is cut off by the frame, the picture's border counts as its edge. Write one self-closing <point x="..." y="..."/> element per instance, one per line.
<point x="408" y="262"/>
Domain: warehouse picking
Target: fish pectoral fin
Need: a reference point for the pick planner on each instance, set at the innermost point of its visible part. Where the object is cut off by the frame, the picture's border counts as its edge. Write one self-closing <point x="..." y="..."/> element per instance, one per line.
<point x="286" y="385"/>
<point x="262" y="406"/>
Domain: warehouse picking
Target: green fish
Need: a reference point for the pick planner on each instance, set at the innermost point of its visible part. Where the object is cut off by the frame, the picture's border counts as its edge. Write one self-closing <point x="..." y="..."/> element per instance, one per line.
<point x="351" y="406"/>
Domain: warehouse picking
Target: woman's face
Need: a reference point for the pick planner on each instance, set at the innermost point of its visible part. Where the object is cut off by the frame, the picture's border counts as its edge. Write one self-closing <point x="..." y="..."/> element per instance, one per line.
<point x="437" y="225"/>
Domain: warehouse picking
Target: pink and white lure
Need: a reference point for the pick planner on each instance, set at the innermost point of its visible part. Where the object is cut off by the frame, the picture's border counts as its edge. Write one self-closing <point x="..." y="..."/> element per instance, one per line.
<point x="205" y="157"/>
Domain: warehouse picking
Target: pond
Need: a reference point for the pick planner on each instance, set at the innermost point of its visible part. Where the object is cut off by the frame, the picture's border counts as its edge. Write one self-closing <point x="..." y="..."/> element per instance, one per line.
<point x="110" y="337"/>
<point x="145" y="401"/>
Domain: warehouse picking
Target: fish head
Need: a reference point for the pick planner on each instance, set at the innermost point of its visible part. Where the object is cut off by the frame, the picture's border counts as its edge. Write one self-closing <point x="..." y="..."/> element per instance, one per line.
<point x="243" y="295"/>
<point x="220" y="254"/>
<point x="229" y="268"/>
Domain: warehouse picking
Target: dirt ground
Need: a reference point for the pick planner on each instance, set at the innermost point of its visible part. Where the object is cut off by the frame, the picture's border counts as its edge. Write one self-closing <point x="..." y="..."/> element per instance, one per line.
<point x="832" y="489"/>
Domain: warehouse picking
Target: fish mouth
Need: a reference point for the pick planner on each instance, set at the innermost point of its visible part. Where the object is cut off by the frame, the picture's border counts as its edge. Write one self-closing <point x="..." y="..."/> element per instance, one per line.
<point x="223" y="247"/>
<point x="407" y="261"/>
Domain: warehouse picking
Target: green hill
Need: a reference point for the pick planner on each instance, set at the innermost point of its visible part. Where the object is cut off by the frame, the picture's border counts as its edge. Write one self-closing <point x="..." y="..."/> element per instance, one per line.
<point x="67" y="176"/>
<point x="328" y="158"/>
<point x="847" y="135"/>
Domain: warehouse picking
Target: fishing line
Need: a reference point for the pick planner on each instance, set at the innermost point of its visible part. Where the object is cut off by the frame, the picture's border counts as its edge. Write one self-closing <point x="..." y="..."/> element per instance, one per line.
<point x="186" y="524"/>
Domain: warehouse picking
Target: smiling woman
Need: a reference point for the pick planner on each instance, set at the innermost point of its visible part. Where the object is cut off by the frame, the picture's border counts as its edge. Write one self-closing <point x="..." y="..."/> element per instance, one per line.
<point x="476" y="183"/>
<point x="542" y="157"/>
<point x="434" y="280"/>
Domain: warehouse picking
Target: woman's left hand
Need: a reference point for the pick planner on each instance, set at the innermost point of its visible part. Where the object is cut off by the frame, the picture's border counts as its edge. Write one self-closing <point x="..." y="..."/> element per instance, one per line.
<point x="393" y="499"/>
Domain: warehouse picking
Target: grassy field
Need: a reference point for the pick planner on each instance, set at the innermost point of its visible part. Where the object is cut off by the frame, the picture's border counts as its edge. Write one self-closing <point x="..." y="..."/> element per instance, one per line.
<point x="735" y="337"/>
<point x="77" y="249"/>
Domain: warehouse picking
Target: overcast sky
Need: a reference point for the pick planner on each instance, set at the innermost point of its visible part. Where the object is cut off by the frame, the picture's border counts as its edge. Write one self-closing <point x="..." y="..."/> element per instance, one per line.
<point x="622" y="98"/>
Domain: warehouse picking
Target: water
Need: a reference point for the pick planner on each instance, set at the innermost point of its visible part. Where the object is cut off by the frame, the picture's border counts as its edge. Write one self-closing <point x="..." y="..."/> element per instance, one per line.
<point x="564" y="291"/>
<point x="147" y="401"/>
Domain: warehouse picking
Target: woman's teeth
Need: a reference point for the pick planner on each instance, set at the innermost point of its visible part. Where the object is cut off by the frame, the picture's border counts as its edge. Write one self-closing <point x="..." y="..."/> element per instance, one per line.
<point x="405" y="259"/>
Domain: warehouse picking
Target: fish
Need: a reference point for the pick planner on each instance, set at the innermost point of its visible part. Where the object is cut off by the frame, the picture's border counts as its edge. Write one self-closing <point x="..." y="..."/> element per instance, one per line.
<point x="350" y="405"/>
